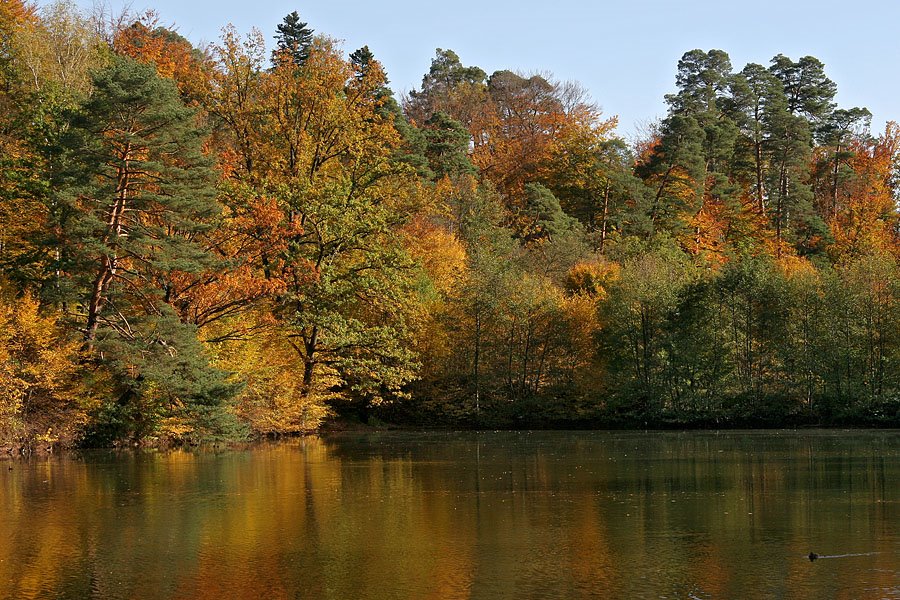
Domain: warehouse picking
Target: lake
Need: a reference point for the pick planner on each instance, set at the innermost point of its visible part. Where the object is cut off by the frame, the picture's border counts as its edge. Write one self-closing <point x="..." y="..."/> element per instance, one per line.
<point x="463" y="515"/>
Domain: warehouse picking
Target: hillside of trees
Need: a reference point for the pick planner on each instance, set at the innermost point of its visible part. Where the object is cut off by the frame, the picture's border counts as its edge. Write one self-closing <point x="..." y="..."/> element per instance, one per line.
<point x="250" y="238"/>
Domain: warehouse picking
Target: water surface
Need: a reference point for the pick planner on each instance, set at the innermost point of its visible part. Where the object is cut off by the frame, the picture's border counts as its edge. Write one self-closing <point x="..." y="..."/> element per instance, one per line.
<point x="463" y="515"/>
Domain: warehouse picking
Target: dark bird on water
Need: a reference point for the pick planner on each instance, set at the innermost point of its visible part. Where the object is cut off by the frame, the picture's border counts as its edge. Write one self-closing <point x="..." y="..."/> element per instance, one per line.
<point x="813" y="556"/>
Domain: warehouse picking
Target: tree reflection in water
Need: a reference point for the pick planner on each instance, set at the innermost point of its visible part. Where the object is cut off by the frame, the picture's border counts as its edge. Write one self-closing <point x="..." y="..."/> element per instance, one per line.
<point x="467" y="515"/>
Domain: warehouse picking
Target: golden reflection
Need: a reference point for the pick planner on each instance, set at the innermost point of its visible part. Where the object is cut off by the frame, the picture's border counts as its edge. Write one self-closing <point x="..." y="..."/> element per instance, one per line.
<point x="556" y="515"/>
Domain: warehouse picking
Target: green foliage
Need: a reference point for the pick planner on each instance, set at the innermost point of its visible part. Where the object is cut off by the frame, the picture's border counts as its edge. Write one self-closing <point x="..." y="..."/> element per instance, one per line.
<point x="635" y="338"/>
<point x="446" y="78"/>
<point x="134" y="192"/>
<point x="860" y="348"/>
<point x="166" y="386"/>
<point x="446" y="72"/>
<point x="136" y="141"/>
<point x="807" y="90"/>
<point x="545" y="218"/>
<point x="293" y="40"/>
<point x="447" y="146"/>
<point x="676" y="172"/>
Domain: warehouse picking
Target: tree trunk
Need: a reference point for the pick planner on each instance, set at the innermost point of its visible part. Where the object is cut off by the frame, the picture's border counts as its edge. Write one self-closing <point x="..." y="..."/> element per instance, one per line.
<point x="760" y="198"/>
<point x="476" y="361"/>
<point x="108" y="263"/>
<point x="309" y="362"/>
<point x="605" y="217"/>
<point x="834" y="182"/>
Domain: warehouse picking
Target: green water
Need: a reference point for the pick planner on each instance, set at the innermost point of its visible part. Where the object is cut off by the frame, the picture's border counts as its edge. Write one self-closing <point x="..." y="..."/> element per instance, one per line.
<point x="463" y="515"/>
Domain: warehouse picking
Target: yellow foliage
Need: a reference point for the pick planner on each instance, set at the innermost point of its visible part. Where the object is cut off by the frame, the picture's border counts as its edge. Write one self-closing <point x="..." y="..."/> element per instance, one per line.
<point x="320" y="123"/>
<point x="443" y="258"/>
<point x="39" y="397"/>
<point x="582" y="326"/>
<point x="439" y="252"/>
<point x="59" y="50"/>
<point x="796" y="267"/>
<point x="12" y="388"/>
<point x="592" y="278"/>
<point x="273" y="400"/>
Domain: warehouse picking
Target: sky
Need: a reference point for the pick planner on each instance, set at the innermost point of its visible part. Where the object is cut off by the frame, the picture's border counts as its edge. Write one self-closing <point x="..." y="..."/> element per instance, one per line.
<point x="624" y="52"/>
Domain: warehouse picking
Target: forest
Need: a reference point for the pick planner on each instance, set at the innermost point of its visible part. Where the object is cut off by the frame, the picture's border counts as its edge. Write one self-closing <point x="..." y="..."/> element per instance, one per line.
<point x="257" y="237"/>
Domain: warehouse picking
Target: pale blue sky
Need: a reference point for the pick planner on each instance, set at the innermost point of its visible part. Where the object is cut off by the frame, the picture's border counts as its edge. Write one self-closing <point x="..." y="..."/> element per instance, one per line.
<point x="624" y="52"/>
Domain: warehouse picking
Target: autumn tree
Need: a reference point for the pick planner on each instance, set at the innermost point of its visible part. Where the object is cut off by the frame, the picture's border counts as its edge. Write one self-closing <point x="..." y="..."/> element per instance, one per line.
<point x="48" y="58"/>
<point x="448" y="87"/>
<point x="592" y="175"/>
<point x="194" y="241"/>
<point x="58" y="51"/>
<point x="175" y="58"/>
<point x="315" y="141"/>
<point x="349" y="196"/>
<point x="832" y="171"/>
<point x="865" y="219"/>
<point x="235" y="99"/>
<point x="15" y="15"/>
<point x="41" y="398"/>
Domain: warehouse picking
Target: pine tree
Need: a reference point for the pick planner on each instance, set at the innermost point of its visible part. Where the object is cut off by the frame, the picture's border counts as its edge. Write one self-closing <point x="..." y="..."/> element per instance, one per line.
<point x="448" y="145"/>
<point x="135" y="186"/>
<point x="751" y="92"/>
<point x="361" y="59"/>
<point x="134" y="192"/>
<point x="445" y="78"/>
<point x="788" y="144"/>
<point x="807" y="90"/>
<point x="293" y="40"/>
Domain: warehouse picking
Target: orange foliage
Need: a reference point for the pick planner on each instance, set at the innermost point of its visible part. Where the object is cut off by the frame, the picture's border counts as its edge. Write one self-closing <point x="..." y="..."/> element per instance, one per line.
<point x="174" y="57"/>
<point x="14" y="13"/>
<point x="514" y="147"/>
<point x="709" y="227"/>
<point x="250" y="241"/>
<point x="866" y="222"/>
<point x="720" y="229"/>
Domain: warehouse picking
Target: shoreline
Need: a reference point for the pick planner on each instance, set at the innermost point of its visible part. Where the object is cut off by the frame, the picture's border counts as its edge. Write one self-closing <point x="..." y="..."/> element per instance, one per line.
<point x="18" y="451"/>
